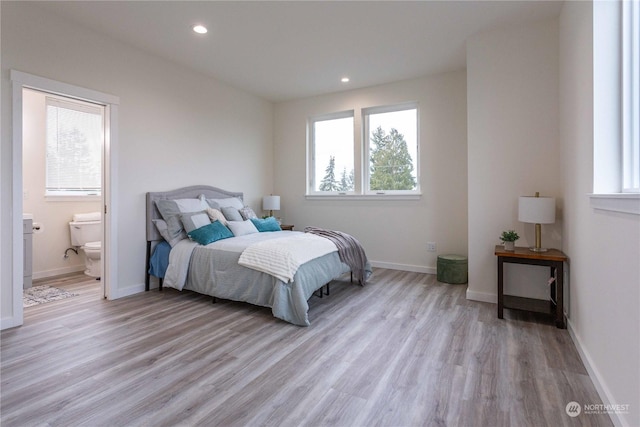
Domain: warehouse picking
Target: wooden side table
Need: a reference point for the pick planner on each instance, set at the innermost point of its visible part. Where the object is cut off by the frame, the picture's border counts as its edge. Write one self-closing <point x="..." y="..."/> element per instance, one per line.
<point x="554" y="259"/>
<point x="286" y="227"/>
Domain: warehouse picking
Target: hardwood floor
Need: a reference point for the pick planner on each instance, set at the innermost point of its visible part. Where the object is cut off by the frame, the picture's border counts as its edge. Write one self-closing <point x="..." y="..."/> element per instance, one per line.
<point x="405" y="350"/>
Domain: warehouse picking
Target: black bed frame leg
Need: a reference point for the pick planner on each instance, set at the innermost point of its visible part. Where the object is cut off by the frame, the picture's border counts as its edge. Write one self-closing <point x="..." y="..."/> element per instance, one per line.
<point x="214" y="300"/>
<point x="320" y="293"/>
<point x="160" y="281"/>
<point x="147" y="265"/>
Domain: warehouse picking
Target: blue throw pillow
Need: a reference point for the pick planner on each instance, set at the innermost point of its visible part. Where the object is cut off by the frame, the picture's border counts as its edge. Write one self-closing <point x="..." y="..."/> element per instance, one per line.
<point x="210" y="233"/>
<point x="267" y="224"/>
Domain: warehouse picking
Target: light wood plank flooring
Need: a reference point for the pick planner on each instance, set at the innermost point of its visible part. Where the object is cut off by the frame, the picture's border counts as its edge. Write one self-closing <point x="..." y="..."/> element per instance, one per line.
<point x="403" y="351"/>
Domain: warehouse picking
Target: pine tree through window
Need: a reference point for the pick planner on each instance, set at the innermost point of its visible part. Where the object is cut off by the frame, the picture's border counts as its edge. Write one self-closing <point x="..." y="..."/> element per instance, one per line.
<point x="392" y="148"/>
<point x="332" y="163"/>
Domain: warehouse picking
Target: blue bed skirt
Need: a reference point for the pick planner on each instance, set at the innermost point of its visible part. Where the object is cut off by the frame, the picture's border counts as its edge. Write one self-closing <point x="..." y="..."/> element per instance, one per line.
<point x="160" y="259"/>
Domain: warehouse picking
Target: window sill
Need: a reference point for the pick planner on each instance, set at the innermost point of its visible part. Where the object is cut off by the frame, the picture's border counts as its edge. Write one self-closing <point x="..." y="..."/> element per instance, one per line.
<point x="617" y="202"/>
<point x="79" y="199"/>
<point x="364" y="196"/>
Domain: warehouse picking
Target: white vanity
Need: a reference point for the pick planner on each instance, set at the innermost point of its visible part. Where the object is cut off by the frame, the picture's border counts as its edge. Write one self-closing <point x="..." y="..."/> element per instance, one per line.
<point x="27" y="236"/>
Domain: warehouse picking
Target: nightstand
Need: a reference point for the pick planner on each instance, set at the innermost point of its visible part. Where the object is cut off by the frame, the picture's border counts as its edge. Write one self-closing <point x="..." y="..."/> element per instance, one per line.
<point x="285" y="227"/>
<point x="554" y="259"/>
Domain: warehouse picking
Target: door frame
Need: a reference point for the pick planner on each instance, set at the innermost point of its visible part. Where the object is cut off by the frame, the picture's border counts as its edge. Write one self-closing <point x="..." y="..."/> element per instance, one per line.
<point x="21" y="80"/>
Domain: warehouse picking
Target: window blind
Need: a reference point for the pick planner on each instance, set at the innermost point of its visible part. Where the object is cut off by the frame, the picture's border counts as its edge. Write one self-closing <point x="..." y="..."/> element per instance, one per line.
<point x="74" y="147"/>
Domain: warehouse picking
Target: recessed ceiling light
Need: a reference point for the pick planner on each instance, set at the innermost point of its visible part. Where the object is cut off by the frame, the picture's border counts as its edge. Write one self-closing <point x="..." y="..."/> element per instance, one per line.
<point x="345" y="80"/>
<point x="200" y="29"/>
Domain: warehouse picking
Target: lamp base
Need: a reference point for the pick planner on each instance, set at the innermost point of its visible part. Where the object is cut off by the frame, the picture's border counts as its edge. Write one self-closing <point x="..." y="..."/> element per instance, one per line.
<point x="538" y="249"/>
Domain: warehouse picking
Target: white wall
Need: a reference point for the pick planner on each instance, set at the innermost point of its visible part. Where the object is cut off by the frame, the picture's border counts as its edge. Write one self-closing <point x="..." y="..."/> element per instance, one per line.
<point x="176" y="127"/>
<point x="604" y="246"/>
<point x="394" y="233"/>
<point x="202" y="131"/>
<point x="53" y="238"/>
<point x="512" y="101"/>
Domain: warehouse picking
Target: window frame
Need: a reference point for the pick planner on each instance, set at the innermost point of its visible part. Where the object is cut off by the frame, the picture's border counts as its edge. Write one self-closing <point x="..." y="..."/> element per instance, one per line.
<point x="361" y="156"/>
<point x="630" y="95"/>
<point x="84" y="107"/>
<point x="366" y="148"/>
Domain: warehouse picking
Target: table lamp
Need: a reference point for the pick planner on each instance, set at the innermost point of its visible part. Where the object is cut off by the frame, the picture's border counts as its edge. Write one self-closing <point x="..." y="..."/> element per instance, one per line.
<point x="537" y="210"/>
<point x="271" y="203"/>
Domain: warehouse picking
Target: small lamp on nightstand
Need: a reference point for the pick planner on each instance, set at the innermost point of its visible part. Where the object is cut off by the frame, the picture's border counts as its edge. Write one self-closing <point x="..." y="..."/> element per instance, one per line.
<point x="271" y="203"/>
<point x="537" y="210"/>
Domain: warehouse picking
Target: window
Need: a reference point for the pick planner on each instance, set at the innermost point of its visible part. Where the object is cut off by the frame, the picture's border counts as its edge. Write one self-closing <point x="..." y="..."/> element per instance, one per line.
<point x="383" y="162"/>
<point x="391" y="146"/>
<point x="616" y="156"/>
<point x="74" y="148"/>
<point x="332" y="153"/>
<point x="631" y="96"/>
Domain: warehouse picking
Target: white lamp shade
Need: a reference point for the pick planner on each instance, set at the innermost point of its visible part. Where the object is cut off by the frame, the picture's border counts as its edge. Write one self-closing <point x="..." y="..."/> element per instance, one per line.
<point x="271" y="203"/>
<point x="537" y="210"/>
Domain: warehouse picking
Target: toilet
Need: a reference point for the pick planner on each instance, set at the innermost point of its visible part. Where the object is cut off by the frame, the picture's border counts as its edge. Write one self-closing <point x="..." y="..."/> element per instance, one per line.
<point x="86" y="233"/>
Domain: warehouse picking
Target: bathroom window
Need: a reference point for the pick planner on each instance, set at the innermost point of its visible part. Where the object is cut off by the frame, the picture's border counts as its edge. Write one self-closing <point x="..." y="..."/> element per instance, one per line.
<point x="75" y="134"/>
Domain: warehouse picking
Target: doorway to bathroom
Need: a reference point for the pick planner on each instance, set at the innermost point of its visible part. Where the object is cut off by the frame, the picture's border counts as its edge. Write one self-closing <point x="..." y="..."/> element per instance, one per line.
<point x="62" y="145"/>
<point x="59" y="94"/>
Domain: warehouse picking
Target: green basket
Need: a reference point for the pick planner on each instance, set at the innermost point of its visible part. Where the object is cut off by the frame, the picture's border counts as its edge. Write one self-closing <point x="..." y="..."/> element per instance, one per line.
<point x="452" y="269"/>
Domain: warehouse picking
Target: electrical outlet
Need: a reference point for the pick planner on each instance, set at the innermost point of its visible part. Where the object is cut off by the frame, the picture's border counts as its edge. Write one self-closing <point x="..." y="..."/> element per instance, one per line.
<point x="431" y="246"/>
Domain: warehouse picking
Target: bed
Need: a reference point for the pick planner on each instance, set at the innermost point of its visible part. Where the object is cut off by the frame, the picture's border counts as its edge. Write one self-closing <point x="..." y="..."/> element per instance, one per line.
<point x="213" y="269"/>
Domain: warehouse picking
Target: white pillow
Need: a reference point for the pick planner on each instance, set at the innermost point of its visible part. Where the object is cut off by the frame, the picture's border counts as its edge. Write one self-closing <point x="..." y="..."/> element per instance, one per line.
<point x="191" y="205"/>
<point x="240" y="228"/>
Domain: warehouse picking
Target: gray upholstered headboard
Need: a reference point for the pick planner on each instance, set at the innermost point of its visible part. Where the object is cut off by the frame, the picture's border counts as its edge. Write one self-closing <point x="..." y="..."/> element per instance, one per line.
<point x="180" y="193"/>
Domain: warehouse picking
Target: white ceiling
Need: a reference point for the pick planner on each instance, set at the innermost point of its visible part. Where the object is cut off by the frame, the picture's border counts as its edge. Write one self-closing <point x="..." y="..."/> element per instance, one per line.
<point x="285" y="50"/>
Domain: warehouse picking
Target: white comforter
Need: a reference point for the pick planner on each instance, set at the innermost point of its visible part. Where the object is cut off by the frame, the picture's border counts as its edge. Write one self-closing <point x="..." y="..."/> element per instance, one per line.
<point x="179" y="257"/>
<point x="282" y="257"/>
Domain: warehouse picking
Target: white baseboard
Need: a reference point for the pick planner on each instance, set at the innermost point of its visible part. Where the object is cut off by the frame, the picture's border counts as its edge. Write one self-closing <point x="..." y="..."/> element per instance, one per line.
<point x="404" y="267"/>
<point x="482" y="296"/>
<point x="602" y="390"/>
<point x="595" y="376"/>
<point x="57" y="272"/>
